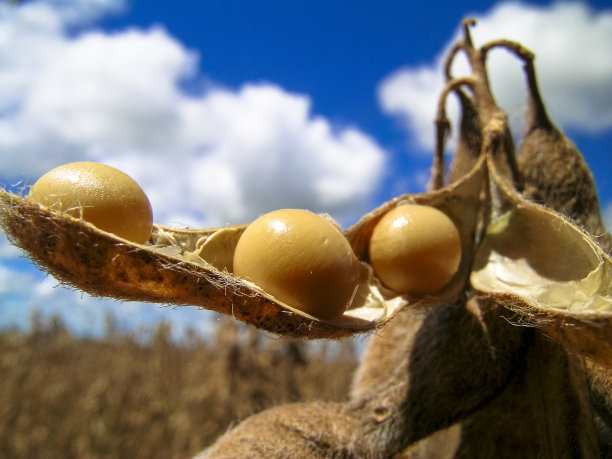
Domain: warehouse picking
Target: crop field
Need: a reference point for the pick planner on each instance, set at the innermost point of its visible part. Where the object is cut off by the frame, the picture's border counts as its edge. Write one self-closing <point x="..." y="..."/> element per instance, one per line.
<point x="144" y="395"/>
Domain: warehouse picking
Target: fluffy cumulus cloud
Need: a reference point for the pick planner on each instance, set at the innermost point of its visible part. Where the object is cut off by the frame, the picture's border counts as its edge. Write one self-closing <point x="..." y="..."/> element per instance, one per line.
<point x="220" y="156"/>
<point x="572" y="44"/>
<point x="262" y="145"/>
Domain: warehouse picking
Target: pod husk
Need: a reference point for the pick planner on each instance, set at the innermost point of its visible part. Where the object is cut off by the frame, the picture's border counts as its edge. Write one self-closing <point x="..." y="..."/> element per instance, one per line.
<point x="469" y="143"/>
<point x="554" y="170"/>
<point x="541" y="265"/>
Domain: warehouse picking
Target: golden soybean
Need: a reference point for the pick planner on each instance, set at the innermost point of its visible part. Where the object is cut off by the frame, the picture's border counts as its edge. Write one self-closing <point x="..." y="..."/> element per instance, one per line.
<point x="415" y="249"/>
<point x="301" y="259"/>
<point x="100" y="194"/>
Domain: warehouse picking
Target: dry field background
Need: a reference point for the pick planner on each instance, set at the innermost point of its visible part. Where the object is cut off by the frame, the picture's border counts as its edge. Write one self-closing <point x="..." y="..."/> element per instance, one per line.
<point x="143" y="395"/>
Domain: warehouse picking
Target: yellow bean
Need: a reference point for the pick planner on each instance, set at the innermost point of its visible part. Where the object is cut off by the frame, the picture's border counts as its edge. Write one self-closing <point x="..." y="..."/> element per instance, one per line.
<point x="100" y="194"/>
<point x="415" y="249"/>
<point x="301" y="259"/>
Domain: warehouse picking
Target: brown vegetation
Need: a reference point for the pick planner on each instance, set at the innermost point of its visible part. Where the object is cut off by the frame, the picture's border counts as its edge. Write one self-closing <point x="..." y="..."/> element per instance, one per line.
<point x="139" y="396"/>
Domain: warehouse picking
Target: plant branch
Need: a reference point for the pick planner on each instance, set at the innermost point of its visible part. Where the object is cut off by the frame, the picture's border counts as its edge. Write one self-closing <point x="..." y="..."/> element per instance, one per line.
<point x="443" y="129"/>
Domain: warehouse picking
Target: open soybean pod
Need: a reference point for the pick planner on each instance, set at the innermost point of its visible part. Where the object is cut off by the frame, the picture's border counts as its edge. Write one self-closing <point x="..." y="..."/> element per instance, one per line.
<point x="177" y="266"/>
<point x="545" y="250"/>
<point x="538" y="263"/>
<point x="193" y="267"/>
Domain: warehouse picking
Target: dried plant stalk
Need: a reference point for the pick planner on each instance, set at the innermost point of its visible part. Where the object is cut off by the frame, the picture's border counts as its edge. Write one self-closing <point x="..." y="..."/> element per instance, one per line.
<point x="470" y="138"/>
<point x="430" y="383"/>
<point x="299" y="430"/>
<point x="539" y="414"/>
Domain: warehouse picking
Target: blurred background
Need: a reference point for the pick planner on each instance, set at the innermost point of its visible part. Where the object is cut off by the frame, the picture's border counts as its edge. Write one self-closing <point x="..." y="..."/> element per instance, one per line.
<point x="223" y="110"/>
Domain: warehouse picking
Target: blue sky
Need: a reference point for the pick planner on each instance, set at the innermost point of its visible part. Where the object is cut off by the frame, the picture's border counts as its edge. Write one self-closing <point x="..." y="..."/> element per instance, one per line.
<point x="222" y="110"/>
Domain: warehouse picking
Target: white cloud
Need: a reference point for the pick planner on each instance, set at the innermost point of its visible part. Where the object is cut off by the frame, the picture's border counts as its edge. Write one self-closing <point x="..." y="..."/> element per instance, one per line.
<point x="572" y="44"/>
<point x="411" y="94"/>
<point x="261" y="149"/>
<point x="13" y="280"/>
<point x="210" y="159"/>
<point x="74" y="12"/>
<point x="118" y="91"/>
